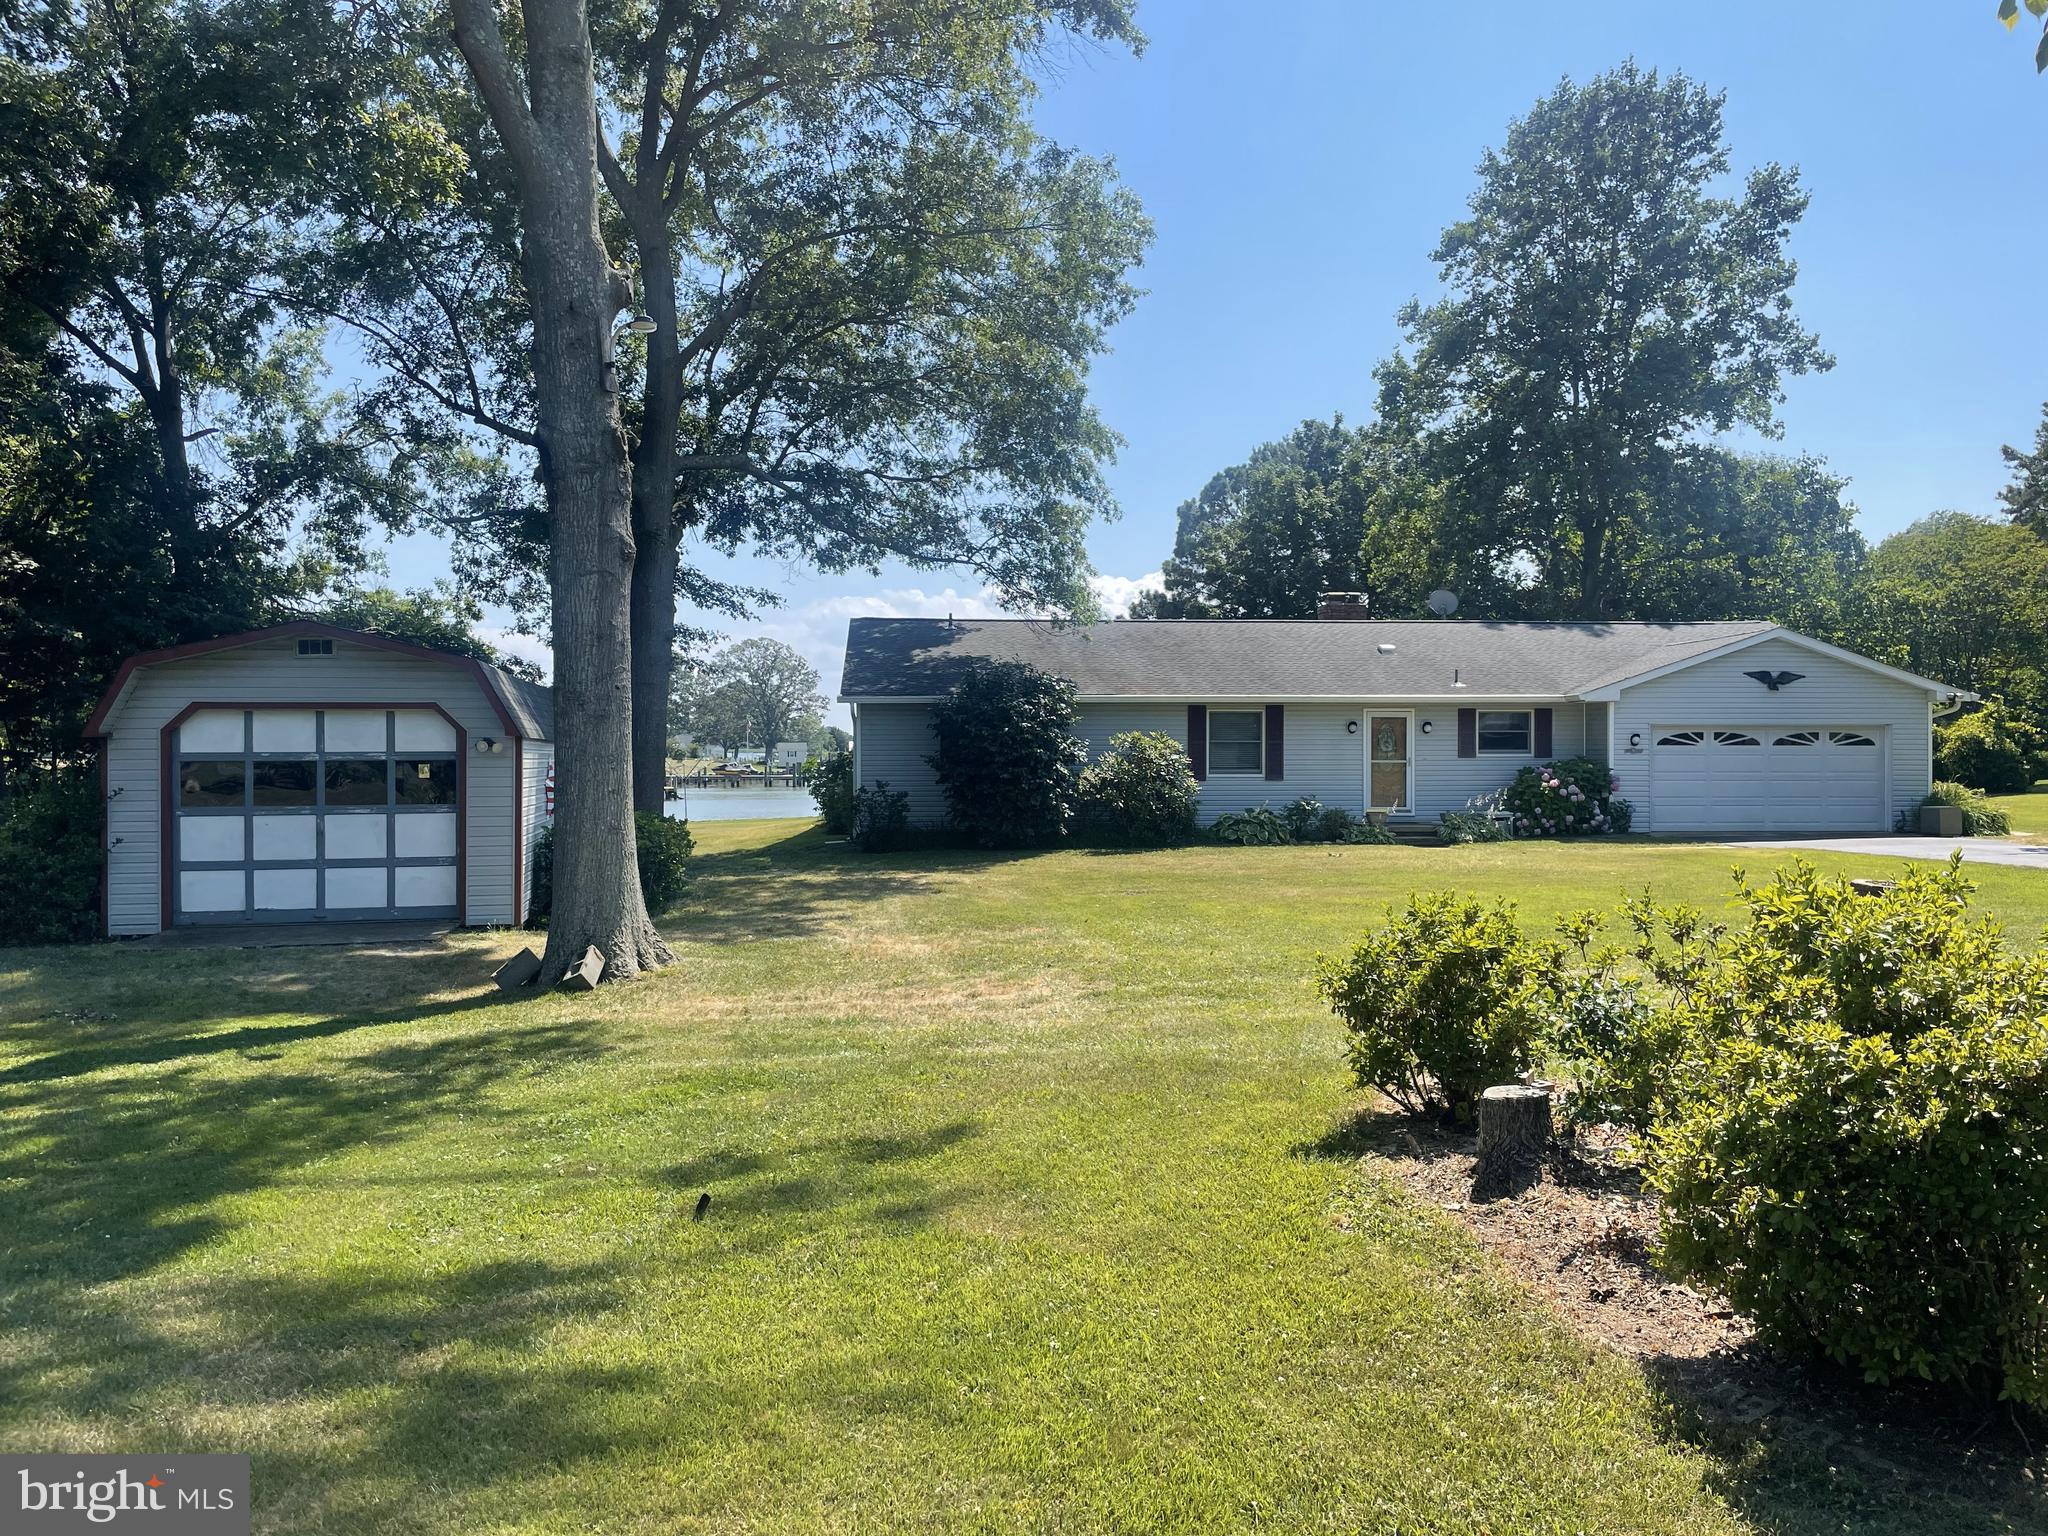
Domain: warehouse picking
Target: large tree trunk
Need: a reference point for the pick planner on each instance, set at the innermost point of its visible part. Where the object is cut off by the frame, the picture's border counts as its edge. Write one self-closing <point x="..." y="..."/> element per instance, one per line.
<point x="575" y="295"/>
<point x="655" y="533"/>
<point x="654" y="629"/>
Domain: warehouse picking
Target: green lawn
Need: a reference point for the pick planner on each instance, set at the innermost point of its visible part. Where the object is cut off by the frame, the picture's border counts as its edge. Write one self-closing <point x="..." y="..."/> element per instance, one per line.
<point x="2029" y="812"/>
<point x="1027" y="1215"/>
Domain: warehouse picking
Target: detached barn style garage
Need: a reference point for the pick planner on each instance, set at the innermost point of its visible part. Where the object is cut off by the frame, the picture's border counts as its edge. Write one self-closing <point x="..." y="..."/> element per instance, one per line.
<point x="310" y="774"/>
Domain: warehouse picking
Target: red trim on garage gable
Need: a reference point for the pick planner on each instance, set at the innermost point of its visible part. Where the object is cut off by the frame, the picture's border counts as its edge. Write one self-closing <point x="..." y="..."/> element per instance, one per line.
<point x="308" y="629"/>
<point x="518" y="833"/>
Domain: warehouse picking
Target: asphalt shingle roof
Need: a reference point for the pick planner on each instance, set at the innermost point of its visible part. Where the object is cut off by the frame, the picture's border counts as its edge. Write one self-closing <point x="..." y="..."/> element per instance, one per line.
<point x="1276" y="658"/>
<point x="532" y="705"/>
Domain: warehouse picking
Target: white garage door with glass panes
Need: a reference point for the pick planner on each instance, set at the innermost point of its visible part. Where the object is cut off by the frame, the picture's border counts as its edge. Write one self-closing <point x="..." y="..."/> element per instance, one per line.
<point x="310" y="815"/>
<point x="1732" y="778"/>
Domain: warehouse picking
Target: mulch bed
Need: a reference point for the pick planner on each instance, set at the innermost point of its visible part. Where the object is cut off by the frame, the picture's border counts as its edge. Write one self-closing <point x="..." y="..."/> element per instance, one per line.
<point x="1582" y="1233"/>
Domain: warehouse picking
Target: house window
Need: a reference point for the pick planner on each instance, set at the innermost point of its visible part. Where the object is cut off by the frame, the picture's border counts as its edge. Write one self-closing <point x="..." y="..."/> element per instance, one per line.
<point x="1504" y="730"/>
<point x="1237" y="741"/>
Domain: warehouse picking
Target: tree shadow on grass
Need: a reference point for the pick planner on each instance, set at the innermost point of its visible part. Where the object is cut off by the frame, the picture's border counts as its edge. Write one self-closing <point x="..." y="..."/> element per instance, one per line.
<point x="254" y="1038"/>
<point x="110" y="999"/>
<point x="400" y="1392"/>
<point x="1803" y="1446"/>
<point x="111" y="1176"/>
<point x="891" y="1178"/>
<point x="1383" y="1130"/>
<point x="806" y="884"/>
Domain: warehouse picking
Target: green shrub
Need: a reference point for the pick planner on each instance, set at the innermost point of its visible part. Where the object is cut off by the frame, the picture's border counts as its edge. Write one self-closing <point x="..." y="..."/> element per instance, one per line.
<point x="1261" y="828"/>
<point x="1008" y="759"/>
<point x="50" y="857"/>
<point x="662" y="846"/>
<point x="1304" y="819"/>
<point x="1573" y="797"/>
<point x="881" y="819"/>
<point x="1141" y="793"/>
<point x="1987" y="749"/>
<point x="1980" y="817"/>
<point x="832" y="787"/>
<point x="1442" y="1001"/>
<point x="1854" y="1150"/>
<point x="1455" y="827"/>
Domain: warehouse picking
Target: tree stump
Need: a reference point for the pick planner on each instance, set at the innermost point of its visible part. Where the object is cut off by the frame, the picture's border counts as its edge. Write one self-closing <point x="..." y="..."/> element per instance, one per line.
<point x="1514" y="1139"/>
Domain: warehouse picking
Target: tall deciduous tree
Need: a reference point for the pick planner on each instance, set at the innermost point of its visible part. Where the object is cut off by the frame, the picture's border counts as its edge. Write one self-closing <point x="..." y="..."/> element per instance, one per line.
<point x="1963" y="599"/>
<point x="1605" y="309"/>
<point x="542" y="105"/>
<point x="1328" y="508"/>
<point x="753" y="693"/>
<point x="150" y="172"/>
<point x="875" y="294"/>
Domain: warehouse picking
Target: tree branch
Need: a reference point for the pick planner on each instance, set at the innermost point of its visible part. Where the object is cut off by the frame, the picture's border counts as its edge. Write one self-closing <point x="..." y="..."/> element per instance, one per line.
<point x="476" y="31"/>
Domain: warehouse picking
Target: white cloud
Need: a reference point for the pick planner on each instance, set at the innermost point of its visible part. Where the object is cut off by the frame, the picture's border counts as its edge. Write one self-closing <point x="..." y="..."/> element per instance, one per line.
<point x="1117" y="593"/>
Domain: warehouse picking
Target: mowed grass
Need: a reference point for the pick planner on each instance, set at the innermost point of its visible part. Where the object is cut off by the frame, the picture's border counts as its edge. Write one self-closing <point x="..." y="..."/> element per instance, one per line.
<point x="1032" y="1210"/>
<point x="2029" y="812"/>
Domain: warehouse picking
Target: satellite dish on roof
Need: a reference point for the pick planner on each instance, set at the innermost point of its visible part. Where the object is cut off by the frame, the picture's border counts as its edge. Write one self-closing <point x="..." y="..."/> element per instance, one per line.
<point x="1443" y="604"/>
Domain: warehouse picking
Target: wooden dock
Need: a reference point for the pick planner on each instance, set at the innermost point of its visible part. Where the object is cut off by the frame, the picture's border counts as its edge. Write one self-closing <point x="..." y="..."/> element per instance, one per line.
<point x="782" y="778"/>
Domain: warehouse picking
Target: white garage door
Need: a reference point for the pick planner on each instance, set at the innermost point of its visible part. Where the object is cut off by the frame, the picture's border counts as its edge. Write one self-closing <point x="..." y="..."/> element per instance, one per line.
<point x="311" y="815"/>
<point x="1768" y="779"/>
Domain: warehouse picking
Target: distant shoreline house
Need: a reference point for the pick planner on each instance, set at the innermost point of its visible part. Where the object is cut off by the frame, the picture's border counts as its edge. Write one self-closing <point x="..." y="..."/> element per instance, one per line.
<point x="1715" y="728"/>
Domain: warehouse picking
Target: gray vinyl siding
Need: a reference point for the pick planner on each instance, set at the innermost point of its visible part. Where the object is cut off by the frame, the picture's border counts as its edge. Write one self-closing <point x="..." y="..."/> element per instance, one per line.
<point x="272" y="672"/>
<point x="891" y="743"/>
<point x="1321" y="757"/>
<point x="1596" y="732"/>
<point x="536" y="759"/>
<point x="1445" y="781"/>
<point x="1829" y="693"/>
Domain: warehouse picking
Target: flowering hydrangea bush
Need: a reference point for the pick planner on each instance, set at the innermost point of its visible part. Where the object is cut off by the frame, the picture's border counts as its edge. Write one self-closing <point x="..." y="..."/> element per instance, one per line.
<point x="1574" y="797"/>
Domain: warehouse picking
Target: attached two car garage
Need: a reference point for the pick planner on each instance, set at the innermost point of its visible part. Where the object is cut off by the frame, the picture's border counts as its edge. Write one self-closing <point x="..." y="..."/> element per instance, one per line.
<point x="1758" y="778"/>
<point x="309" y="774"/>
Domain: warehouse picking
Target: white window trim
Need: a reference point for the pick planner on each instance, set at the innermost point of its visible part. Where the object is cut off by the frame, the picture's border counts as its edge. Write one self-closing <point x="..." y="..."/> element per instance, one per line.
<point x="1481" y="749"/>
<point x="1209" y="727"/>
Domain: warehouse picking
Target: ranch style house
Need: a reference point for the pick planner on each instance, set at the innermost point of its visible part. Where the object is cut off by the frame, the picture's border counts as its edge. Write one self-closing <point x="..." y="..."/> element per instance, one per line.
<point x="1717" y="728"/>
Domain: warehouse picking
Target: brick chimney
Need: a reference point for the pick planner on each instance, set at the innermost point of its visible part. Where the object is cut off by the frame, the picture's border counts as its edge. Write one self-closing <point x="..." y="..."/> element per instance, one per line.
<point x="1341" y="605"/>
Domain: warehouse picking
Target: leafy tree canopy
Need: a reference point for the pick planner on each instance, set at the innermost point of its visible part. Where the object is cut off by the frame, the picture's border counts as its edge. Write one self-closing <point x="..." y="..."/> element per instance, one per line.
<point x="752" y="693"/>
<point x="1963" y="599"/>
<point x="2026" y="498"/>
<point x="2009" y="13"/>
<point x="1605" y="309"/>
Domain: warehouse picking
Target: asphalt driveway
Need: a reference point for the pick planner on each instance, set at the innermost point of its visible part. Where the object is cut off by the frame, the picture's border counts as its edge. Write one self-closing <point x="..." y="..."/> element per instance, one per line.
<point x="1975" y="850"/>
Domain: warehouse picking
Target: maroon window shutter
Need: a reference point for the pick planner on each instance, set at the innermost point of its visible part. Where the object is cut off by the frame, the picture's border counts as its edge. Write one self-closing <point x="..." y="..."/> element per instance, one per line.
<point x="1468" y="733"/>
<point x="1276" y="741"/>
<point x="1542" y="742"/>
<point x="1198" y="739"/>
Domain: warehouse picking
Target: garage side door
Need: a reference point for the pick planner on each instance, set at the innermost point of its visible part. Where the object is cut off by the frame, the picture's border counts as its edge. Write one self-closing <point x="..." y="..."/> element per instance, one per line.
<point x="1737" y="779"/>
<point x="303" y="815"/>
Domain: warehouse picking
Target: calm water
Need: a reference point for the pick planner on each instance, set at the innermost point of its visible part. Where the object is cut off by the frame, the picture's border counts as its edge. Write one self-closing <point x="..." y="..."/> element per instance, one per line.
<point x="743" y="804"/>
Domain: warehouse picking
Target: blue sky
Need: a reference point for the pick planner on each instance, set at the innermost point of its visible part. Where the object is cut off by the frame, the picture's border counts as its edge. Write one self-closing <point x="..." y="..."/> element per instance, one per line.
<point x="1298" y="169"/>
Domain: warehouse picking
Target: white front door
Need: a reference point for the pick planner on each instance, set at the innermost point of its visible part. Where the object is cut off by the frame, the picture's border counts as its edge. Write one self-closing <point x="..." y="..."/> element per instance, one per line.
<point x="1389" y="765"/>
<point x="1768" y="779"/>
